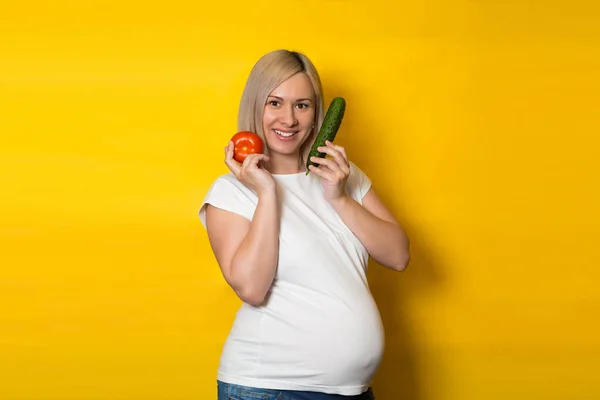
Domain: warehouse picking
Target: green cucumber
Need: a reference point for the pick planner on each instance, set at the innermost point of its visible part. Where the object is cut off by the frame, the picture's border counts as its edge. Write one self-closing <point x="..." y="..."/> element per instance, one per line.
<point x="331" y="124"/>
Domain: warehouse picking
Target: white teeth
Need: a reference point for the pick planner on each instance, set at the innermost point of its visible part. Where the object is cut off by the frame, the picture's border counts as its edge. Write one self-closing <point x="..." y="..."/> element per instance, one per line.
<point x="284" y="134"/>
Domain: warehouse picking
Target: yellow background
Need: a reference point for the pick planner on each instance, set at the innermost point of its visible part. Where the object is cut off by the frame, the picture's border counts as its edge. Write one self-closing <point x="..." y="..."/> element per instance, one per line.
<point x="477" y="121"/>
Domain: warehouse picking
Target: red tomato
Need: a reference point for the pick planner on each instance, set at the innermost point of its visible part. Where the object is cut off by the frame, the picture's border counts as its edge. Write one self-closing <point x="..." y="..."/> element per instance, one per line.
<point x="245" y="143"/>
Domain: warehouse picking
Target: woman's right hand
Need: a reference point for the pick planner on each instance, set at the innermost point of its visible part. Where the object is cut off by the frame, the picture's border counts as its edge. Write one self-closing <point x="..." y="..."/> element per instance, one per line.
<point x="251" y="172"/>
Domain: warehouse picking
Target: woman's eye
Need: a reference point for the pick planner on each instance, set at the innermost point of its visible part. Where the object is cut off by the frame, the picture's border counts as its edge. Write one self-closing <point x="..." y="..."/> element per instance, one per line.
<point x="274" y="103"/>
<point x="302" y="106"/>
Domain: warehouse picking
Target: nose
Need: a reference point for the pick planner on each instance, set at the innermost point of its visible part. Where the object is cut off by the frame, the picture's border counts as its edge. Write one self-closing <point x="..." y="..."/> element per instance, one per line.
<point x="288" y="116"/>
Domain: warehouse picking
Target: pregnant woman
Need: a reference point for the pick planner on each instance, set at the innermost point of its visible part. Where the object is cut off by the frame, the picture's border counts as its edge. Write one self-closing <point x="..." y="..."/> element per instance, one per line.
<point x="295" y="246"/>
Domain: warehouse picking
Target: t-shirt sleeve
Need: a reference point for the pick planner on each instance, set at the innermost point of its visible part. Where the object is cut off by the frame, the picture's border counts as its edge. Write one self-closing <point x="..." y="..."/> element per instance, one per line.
<point x="230" y="196"/>
<point x="358" y="183"/>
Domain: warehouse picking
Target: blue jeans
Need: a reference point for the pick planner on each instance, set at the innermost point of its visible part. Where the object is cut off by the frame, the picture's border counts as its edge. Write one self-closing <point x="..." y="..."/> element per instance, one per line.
<point x="228" y="391"/>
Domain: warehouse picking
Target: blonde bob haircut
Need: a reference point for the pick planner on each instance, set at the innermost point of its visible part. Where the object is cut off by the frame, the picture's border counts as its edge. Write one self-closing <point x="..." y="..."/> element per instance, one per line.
<point x="270" y="71"/>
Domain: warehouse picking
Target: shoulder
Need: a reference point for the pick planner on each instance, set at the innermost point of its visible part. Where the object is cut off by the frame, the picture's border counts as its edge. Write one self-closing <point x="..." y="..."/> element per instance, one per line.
<point x="356" y="171"/>
<point x="228" y="183"/>
<point x="229" y="194"/>
<point x="358" y="183"/>
<point x="225" y="179"/>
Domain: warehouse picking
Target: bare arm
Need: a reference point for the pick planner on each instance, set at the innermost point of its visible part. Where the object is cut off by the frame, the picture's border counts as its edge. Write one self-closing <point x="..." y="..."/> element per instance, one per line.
<point x="247" y="251"/>
<point x="372" y="222"/>
<point x="376" y="228"/>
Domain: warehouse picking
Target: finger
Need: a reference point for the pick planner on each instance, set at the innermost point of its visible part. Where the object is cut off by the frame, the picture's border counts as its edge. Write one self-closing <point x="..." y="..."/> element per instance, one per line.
<point x="323" y="173"/>
<point x="337" y="156"/>
<point x="230" y="162"/>
<point x="337" y="148"/>
<point x="326" y="162"/>
<point x="341" y="150"/>
<point x="229" y="152"/>
<point x="334" y="149"/>
<point x="329" y="165"/>
<point x="252" y="160"/>
<point x="251" y="164"/>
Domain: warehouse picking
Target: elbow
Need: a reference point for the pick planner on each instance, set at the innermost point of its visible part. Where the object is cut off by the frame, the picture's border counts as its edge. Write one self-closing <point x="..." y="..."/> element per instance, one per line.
<point x="403" y="263"/>
<point x="404" y="256"/>
<point x="252" y="290"/>
<point x="251" y="295"/>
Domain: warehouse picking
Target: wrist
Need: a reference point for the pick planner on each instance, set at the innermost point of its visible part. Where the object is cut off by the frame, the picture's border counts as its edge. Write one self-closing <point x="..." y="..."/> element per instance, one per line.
<point x="269" y="192"/>
<point x="340" y="202"/>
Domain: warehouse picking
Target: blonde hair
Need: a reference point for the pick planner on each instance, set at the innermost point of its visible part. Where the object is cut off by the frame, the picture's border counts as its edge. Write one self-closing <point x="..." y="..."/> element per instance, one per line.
<point x="270" y="71"/>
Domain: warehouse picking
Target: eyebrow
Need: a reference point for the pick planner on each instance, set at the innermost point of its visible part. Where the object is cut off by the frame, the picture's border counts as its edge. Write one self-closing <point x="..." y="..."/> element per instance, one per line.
<point x="281" y="98"/>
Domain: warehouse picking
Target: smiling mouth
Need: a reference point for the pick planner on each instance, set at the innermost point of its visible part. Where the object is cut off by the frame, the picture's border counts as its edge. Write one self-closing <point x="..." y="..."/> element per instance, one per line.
<point x="284" y="134"/>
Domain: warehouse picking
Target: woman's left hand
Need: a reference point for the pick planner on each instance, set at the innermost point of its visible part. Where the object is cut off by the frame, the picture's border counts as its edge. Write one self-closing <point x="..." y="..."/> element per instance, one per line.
<point x="333" y="171"/>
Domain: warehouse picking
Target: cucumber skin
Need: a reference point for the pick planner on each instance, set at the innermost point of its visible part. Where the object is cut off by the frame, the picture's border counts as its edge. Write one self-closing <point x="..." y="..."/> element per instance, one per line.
<point x="329" y="128"/>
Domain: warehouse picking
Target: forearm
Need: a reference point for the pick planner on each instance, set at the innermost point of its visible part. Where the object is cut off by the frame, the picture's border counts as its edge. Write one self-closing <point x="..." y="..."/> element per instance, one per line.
<point x="254" y="264"/>
<point x="385" y="241"/>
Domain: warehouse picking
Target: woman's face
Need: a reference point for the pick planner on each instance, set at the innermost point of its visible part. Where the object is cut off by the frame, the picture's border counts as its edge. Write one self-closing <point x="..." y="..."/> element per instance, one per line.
<point x="289" y="115"/>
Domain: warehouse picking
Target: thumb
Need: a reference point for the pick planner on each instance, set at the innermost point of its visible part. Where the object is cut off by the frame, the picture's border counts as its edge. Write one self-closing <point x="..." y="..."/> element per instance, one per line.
<point x="263" y="161"/>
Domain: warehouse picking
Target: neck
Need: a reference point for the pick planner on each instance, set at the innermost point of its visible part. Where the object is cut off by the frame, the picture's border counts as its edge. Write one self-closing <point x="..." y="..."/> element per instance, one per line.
<point x="285" y="164"/>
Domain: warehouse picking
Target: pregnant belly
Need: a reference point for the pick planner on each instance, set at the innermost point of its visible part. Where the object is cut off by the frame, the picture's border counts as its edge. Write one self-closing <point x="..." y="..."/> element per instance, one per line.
<point x="320" y="339"/>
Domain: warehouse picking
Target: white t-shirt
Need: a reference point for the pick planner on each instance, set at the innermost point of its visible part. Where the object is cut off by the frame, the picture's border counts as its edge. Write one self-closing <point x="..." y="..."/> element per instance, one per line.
<point x="319" y="329"/>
